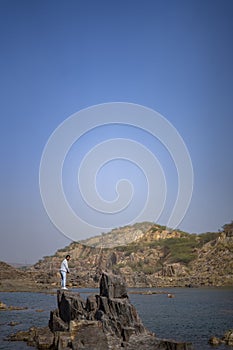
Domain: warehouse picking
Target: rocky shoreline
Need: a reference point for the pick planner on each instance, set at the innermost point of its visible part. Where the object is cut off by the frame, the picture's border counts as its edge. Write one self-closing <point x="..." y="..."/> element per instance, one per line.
<point x="104" y="321"/>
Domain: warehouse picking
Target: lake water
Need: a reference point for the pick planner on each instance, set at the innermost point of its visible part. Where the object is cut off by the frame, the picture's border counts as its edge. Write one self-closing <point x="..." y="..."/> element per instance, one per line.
<point x="194" y="314"/>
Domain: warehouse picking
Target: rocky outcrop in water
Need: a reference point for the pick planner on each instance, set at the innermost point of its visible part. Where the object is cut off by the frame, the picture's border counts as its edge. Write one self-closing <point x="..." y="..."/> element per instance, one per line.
<point x="102" y="322"/>
<point x="227" y="339"/>
<point x="4" y="307"/>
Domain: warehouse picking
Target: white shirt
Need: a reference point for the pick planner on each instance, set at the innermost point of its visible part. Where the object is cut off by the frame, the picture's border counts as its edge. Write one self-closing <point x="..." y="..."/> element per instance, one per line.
<point x="64" y="266"/>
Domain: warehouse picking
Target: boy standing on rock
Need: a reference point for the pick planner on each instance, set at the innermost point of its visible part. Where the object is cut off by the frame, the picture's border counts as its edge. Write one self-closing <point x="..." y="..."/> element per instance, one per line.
<point x="64" y="270"/>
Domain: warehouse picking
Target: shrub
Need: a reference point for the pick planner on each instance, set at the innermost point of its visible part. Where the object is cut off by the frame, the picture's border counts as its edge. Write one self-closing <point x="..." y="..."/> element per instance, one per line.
<point x="148" y="270"/>
<point x="207" y="237"/>
<point x="180" y="250"/>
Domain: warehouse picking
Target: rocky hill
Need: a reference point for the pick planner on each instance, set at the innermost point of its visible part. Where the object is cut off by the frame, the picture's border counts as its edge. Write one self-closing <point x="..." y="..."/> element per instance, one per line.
<point x="8" y="271"/>
<point x="214" y="262"/>
<point x="13" y="279"/>
<point x="156" y="257"/>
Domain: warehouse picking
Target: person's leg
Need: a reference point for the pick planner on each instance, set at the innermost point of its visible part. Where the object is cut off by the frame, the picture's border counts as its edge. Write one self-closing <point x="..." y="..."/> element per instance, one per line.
<point x="63" y="279"/>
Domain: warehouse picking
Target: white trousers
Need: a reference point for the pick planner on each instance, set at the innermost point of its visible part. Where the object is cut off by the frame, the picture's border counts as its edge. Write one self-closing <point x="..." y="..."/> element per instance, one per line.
<point x="63" y="278"/>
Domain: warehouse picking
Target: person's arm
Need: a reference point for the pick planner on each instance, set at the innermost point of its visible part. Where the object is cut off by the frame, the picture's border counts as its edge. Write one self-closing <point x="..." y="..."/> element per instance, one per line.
<point x="67" y="268"/>
<point x="62" y="268"/>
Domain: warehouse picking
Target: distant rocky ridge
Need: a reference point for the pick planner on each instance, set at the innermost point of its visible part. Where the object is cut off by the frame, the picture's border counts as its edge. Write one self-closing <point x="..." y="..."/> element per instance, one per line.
<point x="7" y="271"/>
<point x="157" y="257"/>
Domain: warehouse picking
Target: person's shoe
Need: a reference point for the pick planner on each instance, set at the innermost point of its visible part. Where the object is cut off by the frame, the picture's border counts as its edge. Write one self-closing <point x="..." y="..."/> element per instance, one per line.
<point x="65" y="288"/>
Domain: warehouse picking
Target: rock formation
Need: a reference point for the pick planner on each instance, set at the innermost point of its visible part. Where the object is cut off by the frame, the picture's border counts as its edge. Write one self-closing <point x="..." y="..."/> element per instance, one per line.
<point x="227" y="339"/>
<point x="4" y="307"/>
<point x="102" y="322"/>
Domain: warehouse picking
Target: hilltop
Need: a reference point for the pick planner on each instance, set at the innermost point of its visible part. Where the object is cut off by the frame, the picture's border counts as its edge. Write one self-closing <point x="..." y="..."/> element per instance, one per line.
<point x="119" y="236"/>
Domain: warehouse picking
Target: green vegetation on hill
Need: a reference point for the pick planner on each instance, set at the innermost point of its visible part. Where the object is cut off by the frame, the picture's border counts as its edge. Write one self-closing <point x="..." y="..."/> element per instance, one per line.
<point x="183" y="249"/>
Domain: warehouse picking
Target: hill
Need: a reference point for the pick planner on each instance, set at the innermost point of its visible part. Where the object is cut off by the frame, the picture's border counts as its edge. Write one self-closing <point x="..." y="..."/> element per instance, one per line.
<point x="7" y="271"/>
<point x="13" y="279"/>
<point x="155" y="257"/>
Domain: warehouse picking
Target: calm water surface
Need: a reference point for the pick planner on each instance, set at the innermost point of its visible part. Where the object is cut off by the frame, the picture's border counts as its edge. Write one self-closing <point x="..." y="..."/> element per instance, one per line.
<point x="194" y="314"/>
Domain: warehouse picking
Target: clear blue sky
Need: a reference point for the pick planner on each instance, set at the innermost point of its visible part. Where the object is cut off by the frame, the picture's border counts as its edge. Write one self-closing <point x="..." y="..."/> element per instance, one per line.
<point x="58" y="57"/>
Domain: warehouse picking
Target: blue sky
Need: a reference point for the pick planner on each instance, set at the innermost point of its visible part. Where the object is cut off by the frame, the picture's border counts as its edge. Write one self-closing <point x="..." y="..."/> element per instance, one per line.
<point x="58" y="57"/>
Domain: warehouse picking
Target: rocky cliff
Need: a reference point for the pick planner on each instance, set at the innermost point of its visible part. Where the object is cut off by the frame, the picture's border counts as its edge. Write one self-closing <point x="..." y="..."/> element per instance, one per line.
<point x="214" y="262"/>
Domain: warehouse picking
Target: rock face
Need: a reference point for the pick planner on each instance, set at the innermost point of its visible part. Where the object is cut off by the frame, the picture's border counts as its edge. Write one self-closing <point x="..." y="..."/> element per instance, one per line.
<point x="112" y="287"/>
<point x="99" y="322"/>
<point x="102" y="322"/>
<point x="119" y="236"/>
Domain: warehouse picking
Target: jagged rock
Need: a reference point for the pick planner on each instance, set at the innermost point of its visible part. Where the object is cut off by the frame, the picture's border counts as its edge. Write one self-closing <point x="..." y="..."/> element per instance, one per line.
<point x="3" y="306"/>
<point x="112" y="307"/>
<point x="41" y="338"/>
<point x="91" y="303"/>
<point x="228" y="337"/>
<point x="112" y="286"/>
<point x="56" y="324"/>
<point x="215" y="341"/>
<point x="118" y="315"/>
<point x="104" y="322"/>
<point x="91" y="307"/>
<point x="44" y="339"/>
<point x="89" y="335"/>
<point x="62" y="341"/>
<point x="71" y="306"/>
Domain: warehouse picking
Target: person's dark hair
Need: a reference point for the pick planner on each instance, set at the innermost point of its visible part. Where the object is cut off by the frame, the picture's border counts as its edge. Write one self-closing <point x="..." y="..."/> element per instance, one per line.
<point x="67" y="256"/>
